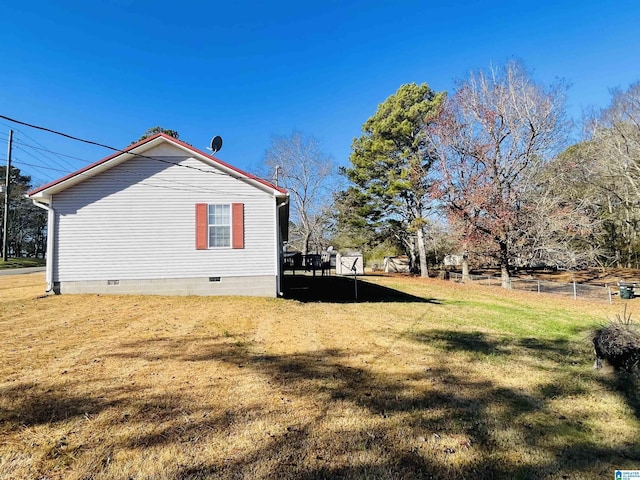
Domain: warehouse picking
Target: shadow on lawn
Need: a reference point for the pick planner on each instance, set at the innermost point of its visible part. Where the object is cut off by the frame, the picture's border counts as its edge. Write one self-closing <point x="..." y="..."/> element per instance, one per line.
<point x="432" y="423"/>
<point x="559" y="351"/>
<point x="455" y="406"/>
<point x="452" y="340"/>
<point x="425" y="409"/>
<point x="30" y="405"/>
<point x="627" y="385"/>
<point x="338" y="289"/>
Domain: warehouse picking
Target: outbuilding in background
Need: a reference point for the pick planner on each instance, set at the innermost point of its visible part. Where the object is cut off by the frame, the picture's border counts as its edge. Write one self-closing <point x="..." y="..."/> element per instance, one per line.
<point x="349" y="263"/>
<point x="397" y="264"/>
<point x="453" y="260"/>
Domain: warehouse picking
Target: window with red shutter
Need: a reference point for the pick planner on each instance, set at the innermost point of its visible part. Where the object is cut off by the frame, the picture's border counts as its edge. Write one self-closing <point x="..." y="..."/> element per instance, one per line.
<point x="237" y="224"/>
<point x="219" y="226"/>
<point x="202" y="226"/>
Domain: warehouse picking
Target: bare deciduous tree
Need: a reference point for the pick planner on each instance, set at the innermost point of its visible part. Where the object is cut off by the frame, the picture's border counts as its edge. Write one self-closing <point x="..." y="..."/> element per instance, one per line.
<point x="307" y="173"/>
<point x="613" y="148"/>
<point x="493" y="136"/>
<point x="558" y="231"/>
<point x="616" y="131"/>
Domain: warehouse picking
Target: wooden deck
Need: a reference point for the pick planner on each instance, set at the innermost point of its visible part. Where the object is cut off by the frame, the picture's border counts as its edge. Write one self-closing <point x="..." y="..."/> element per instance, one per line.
<point x="308" y="263"/>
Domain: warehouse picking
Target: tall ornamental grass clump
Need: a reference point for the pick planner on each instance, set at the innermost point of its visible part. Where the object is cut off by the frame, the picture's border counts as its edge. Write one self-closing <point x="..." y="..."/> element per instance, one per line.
<point x="618" y="342"/>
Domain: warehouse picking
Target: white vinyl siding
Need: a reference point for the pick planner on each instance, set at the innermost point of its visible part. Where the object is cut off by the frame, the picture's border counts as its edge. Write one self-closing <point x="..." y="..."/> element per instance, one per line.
<point x="137" y="221"/>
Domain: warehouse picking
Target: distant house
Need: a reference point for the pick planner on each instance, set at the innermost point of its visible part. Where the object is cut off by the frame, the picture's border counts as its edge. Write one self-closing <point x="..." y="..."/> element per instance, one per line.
<point x="164" y="218"/>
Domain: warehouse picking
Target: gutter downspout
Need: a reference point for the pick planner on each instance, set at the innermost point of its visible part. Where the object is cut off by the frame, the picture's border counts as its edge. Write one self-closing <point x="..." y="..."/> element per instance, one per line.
<point x="49" y="259"/>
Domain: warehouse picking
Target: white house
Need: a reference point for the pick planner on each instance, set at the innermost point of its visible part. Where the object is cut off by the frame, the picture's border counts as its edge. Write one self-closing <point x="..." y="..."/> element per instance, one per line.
<point x="164" y="218"/>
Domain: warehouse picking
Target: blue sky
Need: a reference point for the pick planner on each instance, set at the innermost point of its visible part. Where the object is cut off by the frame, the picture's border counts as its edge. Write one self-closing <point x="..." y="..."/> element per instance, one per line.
<point x="245" y="70"/>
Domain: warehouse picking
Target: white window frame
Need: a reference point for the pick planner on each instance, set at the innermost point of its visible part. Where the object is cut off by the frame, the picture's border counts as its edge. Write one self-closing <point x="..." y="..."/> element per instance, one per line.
<point x="210" y="225"/>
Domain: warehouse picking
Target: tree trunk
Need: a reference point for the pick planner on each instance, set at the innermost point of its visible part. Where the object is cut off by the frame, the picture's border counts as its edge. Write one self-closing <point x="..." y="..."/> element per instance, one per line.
<point x="411" y="251"/>
<point x="422" y="253"/>
<point x="465" y="267"/>
<point x="504" y="275"/>
<point x="504" y="266"/>
<point x="305" y="242"/>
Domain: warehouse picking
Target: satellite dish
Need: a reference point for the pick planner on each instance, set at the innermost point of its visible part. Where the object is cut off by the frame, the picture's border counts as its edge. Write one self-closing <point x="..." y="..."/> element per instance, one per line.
<point x="354" y="267"/>
<point x="216" y="144"/>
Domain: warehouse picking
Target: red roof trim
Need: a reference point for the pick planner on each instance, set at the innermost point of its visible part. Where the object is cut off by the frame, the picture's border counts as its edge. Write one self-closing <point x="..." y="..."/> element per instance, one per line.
<point x="146" y="140"/>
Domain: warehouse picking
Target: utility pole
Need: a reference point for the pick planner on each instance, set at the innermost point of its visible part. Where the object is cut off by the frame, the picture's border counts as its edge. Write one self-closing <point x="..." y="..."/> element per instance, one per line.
<point x="277" y="174"/>
<point x="7" y="184"/>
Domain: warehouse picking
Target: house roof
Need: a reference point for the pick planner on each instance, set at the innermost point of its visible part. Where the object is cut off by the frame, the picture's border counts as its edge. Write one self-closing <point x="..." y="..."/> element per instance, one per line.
<point x="45" y="191"/>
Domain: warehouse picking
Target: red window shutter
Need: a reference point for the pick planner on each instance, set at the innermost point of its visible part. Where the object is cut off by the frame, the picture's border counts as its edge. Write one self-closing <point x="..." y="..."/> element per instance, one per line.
<point x="202" y="224"/>
<point x="237" y="225"/>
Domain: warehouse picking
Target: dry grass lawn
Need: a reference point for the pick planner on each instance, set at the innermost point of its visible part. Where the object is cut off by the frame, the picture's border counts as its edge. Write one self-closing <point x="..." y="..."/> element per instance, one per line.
<point x="440" y="381"/>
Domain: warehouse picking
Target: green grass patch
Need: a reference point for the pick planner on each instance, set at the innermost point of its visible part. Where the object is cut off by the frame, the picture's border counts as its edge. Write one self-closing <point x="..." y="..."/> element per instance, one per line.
<point x="524" y="319"/>
<point x="22" y="263"/>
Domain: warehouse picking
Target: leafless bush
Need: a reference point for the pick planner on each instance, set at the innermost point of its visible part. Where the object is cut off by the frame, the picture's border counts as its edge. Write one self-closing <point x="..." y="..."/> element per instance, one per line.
<point x="618" y="343"/>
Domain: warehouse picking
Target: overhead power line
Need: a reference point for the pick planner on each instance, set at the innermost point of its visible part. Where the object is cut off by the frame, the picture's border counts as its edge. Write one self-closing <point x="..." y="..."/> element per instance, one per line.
<point x="60" y="170"/>
<point x="168" y="185"/>
<point x="45" y="129"/>
<point x="46" y="159"/>
<point x="41" y="151"/>
<point x="44" y="149"/>
<point x="118" y="150"/>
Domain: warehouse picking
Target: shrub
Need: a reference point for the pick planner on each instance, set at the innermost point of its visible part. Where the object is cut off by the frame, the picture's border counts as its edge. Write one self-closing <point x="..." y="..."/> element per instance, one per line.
<point x="618" y="343"/>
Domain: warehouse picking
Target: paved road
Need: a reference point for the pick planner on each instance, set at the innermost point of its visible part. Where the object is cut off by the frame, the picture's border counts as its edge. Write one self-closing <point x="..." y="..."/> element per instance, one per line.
<point x="19" y="271"/>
